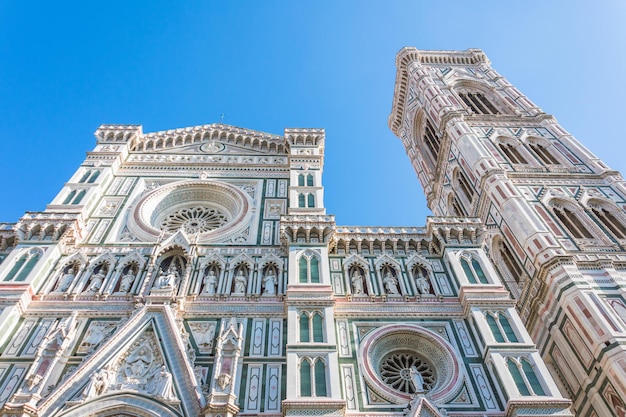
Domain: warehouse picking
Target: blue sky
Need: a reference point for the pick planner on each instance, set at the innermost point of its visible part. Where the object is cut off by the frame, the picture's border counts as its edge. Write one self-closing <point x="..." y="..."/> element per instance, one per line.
<point x="67" y="67"/>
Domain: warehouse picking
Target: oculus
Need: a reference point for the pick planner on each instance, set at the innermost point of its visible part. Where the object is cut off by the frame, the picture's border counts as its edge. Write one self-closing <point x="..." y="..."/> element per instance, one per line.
<point x="390" y="354"/>
<point x="211" y="210"/>
<point x="194" y="220"/>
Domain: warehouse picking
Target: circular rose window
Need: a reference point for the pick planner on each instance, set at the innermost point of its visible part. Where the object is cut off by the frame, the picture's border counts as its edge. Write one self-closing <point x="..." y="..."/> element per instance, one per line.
<point x="194" y="220"/>
<point x="395" y="371"/>
<point x="211" y="210"/>
<point x="398" y="357"/>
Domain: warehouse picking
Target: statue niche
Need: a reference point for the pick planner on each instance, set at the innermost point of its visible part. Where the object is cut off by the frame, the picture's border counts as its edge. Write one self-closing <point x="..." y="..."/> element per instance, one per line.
<point x="357" y="281"/>
<point x="390" y="282"/>
<point x="240" y="281"/>
<point x="96" y="279"/>
<point x="127" y="278"/>
<point x="269" y="280"/>
<point x="422" y="283"/>
<point x="209" y="280"/>
<point x="66" y="277"/>
<point x="170" y="274"/>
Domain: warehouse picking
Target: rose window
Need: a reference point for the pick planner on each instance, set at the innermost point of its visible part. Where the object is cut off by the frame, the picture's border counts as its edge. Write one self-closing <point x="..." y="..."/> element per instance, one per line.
<point x="395" y="371"/>
<point x="400" y="359"/>
<point x="194" y="220"/>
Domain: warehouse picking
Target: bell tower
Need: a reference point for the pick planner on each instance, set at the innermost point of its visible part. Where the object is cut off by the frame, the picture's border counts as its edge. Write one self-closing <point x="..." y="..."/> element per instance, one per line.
<point x="555" y="213"/>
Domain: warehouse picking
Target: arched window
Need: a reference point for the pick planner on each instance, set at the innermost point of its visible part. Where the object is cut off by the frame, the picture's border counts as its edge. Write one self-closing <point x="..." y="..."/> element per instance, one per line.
<point x="543" y="153"/>
<point x="512" y="153"/>
<point x="432" y="141"/>
<point x="305" y="328"/>
<point x="311" y="327"/>
<point x="571" y="222"/>
<point x="308" y="269"/>
<point x="79" y="197"/>
<point x="524" y="376"/>
<point x="457" y="209"/>
<point x="320" y="378"/>
<point x="305" y="378"/>
<point x="301" y="200"/>
<point x="93" y="177"/>
<point x="22" y="267"/>
<point x="85" y="176"/>
<point x="610" y="221"/>
<point x="69" y="197"/>
<point x="510" y="262"/>
<point x="500" y="327"/>
<point x="301" y="180"/>
<point x="311" y="200"/>
<point x="313" y="384"/>
<point x="309" y="180"/>
<point x="478" y="103"/>
<point x="473" y="271"/>
<point x="318" y="328"/>
<point x="464" y="185"/>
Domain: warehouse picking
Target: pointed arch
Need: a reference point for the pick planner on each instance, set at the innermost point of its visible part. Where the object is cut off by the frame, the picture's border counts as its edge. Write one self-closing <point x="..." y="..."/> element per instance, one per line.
<point x="309" y="263"/>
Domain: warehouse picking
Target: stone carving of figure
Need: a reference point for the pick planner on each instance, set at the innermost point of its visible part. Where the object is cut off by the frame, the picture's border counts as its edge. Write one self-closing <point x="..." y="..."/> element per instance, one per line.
<point x="138" y="363"/>
<point x="94" y="336"/>
<point x="269" y="282"/>
<point x="240" y="283"/>
<point x="357" y="282"/>
<point x="391" y="285"/>
<point x="127" y="282"/>
<point x="65" y="280"/>
<point x="417" y="380"/>
<point x="98" y="384"/>
<point x="167" y="279"/>
<point x="163" y="387"/>
<point x="95" y="283"/>
<point x="210" y="282"/>
<point x="423" y="286"/>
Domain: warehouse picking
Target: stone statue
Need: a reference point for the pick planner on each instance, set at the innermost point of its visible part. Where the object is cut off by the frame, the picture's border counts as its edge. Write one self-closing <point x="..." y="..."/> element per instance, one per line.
<point x="269" y="282"/>
<point x="65" y="280"/>
<point x="167" y="280"/>
<point x="423" y="286"/>
<point x="96" y="283"/>
<point x="127" y="282"/>
<point x="391" y="285"/>
<point x="357" y="283"/>
<point x="163" y="387"/>
<point x="210" y="283"/>
<point x="98" y="384"/>
<point x="94" y="336"/>
<point x="240" y="283"/>
<point x="417" y="380"/>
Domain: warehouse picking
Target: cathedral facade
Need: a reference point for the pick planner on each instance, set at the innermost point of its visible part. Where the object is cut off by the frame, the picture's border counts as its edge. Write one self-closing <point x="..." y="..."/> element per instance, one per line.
<point x="196" y="272"/>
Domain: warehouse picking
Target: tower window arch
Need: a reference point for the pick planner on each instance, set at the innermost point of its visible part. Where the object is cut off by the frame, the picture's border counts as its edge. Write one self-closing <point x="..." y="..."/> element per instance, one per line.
<point x="74" y="197"/>
<point x="432" y="141"/>
<point x="571" y="222"/>
<point x="512" y="152"/>
<point x="543" y="153"/>
<point x="478" y="103"/>
<point x="500" y="327"/>
<point x="313" y="377"/>
<point x="609" y="218"/>
<point x="311" y="327"/>
<point x="305" y="180"/>
<point x="306" y="200"/>
<point x="454" y="206"/>
<point x="308" y="268"/>
<point x="462" y="188"/>
<point x="23" y="265"/>
<point x="524" y="375"/>
<point x="473" y="270"/>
